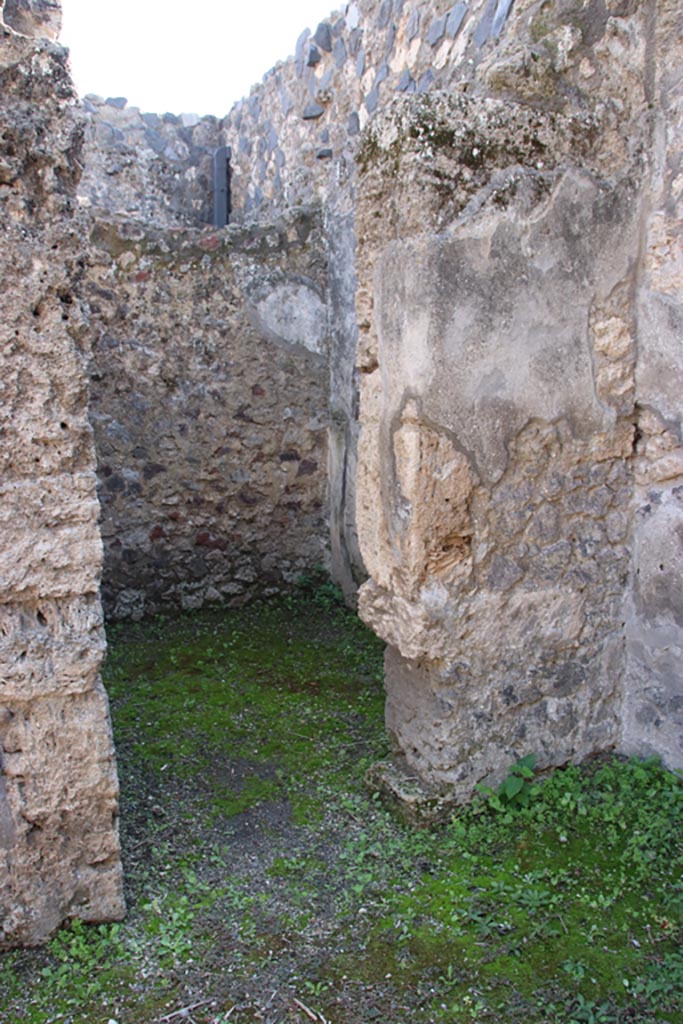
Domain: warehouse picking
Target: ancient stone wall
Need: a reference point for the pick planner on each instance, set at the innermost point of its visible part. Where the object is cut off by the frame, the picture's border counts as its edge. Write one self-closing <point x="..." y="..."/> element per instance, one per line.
<point x="501" y="302"/>
<point x="156" y="168"/>
<point x="497" y="269"/>
<point x="59" y="855"/>
<point x="294" y="140"/>
<point x="296" y="134"/>
<point x="210" y="408"/>
<point x="548" y="134"/>
<point x="295" y="137"/>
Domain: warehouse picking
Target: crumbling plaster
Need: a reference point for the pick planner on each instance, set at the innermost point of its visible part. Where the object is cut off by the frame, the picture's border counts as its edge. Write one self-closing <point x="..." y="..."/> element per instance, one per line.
<point x="518" y="304"/>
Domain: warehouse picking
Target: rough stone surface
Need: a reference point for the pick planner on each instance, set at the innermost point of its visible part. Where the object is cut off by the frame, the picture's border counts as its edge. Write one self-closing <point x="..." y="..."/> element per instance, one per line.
<point x="41" y="18"/>
<point x="59" y="855"/>
<point x="517" y="321"/>
<point x="503" y="293"/>
<point x="209" y="404"/>
<point x="497" y="278"/>
<point x="653" y="708"/>
<point x="155" y="169"/>
<point x="569" y="59"/>
<point x="408" y="796"/>
<point x="378" y="44"/>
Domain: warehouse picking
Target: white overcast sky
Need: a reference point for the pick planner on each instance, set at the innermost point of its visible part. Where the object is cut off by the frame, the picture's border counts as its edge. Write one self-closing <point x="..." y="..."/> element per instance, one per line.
<point x="194" y="56"/>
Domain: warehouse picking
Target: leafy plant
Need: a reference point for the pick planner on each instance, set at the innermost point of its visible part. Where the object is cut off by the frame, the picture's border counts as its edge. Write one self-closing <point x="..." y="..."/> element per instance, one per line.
<point x="317" y="586"/>
<point x="588" y="1011"/>
<point x="82" y="959"/>
<point x="316" y="988"/>
<point x="516" y="789"/>
<point x="664" y="982"/>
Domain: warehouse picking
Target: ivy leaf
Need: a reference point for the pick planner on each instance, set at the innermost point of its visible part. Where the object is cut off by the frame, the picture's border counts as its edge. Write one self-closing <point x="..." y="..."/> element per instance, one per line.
<point x="512" y="786"/>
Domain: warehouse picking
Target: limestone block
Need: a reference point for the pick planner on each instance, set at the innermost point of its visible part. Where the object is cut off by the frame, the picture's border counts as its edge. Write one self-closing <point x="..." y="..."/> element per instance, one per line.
<point x="664" y="258"/>
<point x="59" y="857"/>
<point x="660" y="313"/>
<point x="372" y="528"/>
<point x="50" y="525"/>
<point x="53" y="647"/>
<point x="653" y="706"/>
<point x="496" y="413"/>
<point x="431" y="526"/>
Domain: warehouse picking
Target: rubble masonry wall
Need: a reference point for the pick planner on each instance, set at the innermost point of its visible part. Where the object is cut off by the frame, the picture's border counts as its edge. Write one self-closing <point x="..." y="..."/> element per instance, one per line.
<point x="209" y="401"/>
<point x="59" y="854"/>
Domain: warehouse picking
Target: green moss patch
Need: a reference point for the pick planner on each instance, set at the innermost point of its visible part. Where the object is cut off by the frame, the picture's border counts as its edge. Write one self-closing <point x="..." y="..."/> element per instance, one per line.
<point x="264" y="883"/>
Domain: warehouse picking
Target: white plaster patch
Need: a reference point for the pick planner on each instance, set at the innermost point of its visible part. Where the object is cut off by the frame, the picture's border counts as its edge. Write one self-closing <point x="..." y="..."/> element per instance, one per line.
<point x="416" y="352"/>
<point x="295" y="313"/>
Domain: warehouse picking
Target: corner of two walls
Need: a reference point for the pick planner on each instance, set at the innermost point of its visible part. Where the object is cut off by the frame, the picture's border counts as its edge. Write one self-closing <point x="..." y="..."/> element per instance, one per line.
<point x="294" y="142"/>
<point x="245" y="483"/>
<point x="209" y="401"/>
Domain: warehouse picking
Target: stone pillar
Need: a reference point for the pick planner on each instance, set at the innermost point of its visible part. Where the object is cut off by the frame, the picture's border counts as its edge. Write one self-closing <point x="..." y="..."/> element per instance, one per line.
<point x="498" y="247"/>
<point x="653" y="708"/>
<point x="59" y="853"/>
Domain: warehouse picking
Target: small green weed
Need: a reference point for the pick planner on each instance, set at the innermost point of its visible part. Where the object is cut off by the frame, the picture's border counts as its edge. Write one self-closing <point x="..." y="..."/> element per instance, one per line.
<point x="317" y="587"/>
<point x="516" y="789"/>
<point x="589" y="1011"/>
<point x="83" y="961"/>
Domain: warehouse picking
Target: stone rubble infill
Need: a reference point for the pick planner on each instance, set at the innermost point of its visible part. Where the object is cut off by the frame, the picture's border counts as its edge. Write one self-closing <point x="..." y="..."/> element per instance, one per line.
<point x="413" y="800"/>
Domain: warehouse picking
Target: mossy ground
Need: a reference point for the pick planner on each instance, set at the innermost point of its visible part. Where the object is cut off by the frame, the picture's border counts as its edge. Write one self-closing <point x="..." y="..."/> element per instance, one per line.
<point x="264" y="883"/>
